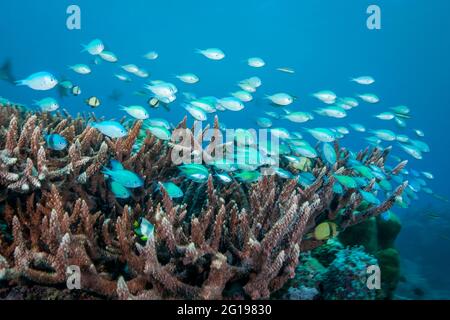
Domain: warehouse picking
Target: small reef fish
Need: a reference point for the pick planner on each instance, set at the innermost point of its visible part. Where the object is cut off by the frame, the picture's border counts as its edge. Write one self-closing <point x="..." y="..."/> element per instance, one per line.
<point x="126" y="178"/>
<point x="286" y="70"/>
<point x="137" y="112"/>
<point x="153" y="103"/>
<point x="145" y="230"/>
<point x="420" y="133"/>
<point x="332" y="111"/>
<point x="369" y="197"/>
<point x="358" y="127"/>
<point x="385" y="116"/>
<point x="224" y="177"/>
<point x="246" y="86"/>
<point x="401" y="110"/>
<point x="130" y="68"/>
<point x="282" y="173"/>
<point x="172" y="190"/>
<point x="119" y="191"/>
<point x="281" y="99"/>
<point x="243" y="95"/>
<point x="159" y="122"/>
<point x="305" y="151"/>
<point x="369" y="98"/>
<point x="428" y="175"/>
<point x="108" y="56"/>
<point x="47" y="104"/>
<point x="66" y="84"/>
<point x="195" y="172"/>
<point x="346" y="181"/>
<point x="112" y="129"/>
<point x="264" y="122"/>
<point x="197" y="113"/>
<point x="142" y="73"/>
<point x="81" y="69"/>
<point x="123" y="77"/>
<point x="402" y="138"/>
<point x="342" y="130"/>
<point x="273" y="114"/>
<point x="248" y="176"/>
<point x="352" y="102"/>
<point x="322" y="134"/>
<point x="152" y="55"/>
<point x="281" y="133"/>
<point x="41" y="81"/>
<point x="93" y="102"/>
<point x="421" y="145"/>
<point x="207" y="104"/>
<point x="189" y="78"/>
<point x="255" y="82"/>
<point x="162" y="89"/>
<point x="385" y="135"/>
<point x="298" y="117"/>
<point x="256" y="62"/>
<point x="412" y="151"/>
<point x="159" y="132"/>
<point x="231" y="104"/>
<point x="55" y="141"/>
<point x="329" y="153"/>
<point x="76" y="90"/>
<point x="400" y="122"/>
<point x="364" y="80"/>
<point x="326" y="96"/>
<point x="212" y="53"/>
<point x="95" y="47"/>
<point x="325" y="231"/>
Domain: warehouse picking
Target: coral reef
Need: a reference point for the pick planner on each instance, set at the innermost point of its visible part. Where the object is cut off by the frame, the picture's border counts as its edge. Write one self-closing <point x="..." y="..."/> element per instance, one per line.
<point x="332" y="272"/>
<point x="346" y="277"/>
<point x="377" y="236"/>
<point x="226" y="242"/>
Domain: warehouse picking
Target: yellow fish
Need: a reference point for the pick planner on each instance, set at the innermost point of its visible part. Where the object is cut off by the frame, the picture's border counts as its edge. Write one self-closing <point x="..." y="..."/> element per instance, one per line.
<point x="76" y="91"/>
<point x="153" y="103"/>
<point x="93" y="102"/>
<point x="325" y="231"/>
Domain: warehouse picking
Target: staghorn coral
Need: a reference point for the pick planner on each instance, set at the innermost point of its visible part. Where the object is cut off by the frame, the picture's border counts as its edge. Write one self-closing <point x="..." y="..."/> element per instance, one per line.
<point x="227" y="242"/>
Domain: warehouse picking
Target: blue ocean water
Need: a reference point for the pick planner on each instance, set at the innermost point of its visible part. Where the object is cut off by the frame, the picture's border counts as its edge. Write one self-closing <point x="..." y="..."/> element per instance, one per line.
<point x="326" y="42"/>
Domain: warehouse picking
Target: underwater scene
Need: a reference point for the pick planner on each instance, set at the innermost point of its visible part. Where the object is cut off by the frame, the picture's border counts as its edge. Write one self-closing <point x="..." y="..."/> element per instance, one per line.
<point x="224" y="150"/>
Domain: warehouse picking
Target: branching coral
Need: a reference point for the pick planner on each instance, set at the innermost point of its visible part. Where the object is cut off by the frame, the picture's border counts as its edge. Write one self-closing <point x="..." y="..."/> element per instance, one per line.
<point x="226" y="242"/>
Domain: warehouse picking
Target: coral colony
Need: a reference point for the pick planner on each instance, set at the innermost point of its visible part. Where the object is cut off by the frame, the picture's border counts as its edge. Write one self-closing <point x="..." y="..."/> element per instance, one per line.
<point x="119" y="210"/>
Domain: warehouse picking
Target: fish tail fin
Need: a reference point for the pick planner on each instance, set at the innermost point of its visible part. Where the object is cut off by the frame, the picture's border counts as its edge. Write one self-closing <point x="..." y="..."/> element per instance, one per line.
<point x="84" y="48"/>
<point x="106" y="171"/>
<point x="21" y="82"/>
<point x="198" y="51"/>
